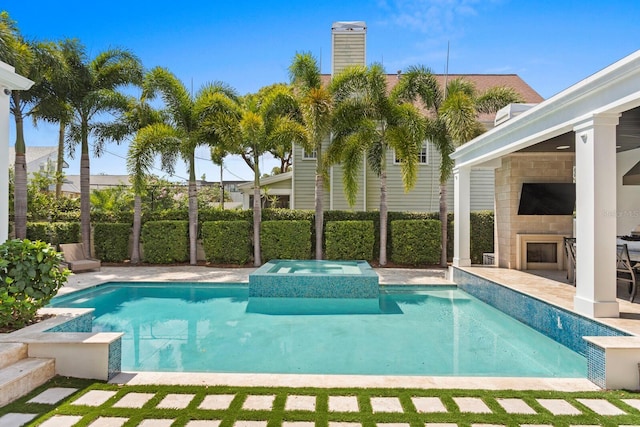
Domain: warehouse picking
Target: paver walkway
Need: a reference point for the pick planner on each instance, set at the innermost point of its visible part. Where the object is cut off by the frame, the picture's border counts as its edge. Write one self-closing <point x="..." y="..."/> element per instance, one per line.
<point x="58" y="404"/>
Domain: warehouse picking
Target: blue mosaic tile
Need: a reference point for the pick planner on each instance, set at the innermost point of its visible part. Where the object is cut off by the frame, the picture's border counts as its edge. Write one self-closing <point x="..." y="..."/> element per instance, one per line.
<point x="561" y="325"/>
<point x="596" y="362"/>
<point x="115" y="358"/>
<point x="305" y="279"/>
<point x="82" y="323"/>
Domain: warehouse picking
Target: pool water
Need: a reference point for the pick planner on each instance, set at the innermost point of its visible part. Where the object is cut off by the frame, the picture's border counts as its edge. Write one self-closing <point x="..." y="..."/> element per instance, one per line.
<point x="417" y="331"/>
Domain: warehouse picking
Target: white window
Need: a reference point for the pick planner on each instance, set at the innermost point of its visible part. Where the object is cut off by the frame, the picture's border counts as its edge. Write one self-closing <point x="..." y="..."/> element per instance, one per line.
<point x="309" y="155"/>
<point x="423" y="155"/>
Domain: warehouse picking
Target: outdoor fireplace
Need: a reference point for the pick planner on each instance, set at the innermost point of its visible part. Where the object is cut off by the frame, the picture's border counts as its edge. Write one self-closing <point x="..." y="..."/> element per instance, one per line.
<point x="540" y="252"/>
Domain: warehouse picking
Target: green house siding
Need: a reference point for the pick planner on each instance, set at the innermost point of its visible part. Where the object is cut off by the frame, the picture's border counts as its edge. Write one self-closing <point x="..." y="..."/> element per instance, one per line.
<point x="424" y="197"/>
<point x="304" y="186"/>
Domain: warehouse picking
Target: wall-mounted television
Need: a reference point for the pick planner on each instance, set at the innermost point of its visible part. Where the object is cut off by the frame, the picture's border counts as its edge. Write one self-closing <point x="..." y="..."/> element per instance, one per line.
<point x="548" y="198"/>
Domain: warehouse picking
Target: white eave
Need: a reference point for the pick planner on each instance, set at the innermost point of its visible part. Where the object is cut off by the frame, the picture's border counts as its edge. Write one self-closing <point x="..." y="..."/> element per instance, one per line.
<point x="268" y="180"/>
<point x="612" y="90"/>
<point x="10" y="80"/>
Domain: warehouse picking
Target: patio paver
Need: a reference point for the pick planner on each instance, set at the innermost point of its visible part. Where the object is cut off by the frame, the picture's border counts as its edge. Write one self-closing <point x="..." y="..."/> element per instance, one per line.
<point x="203" y="423"/>
<point x="298" y="424"/>
<point x="243" y="423"/>
<point x="633" y="402"/>
<point x="300" y="403"/>
<point x="175" y="401"/>
<point x="343" y="404"/>
<point x="386" y="404"/>
<point x="428" y="404"/>
<point x="53" y="395"/>
<point x="15" y="419"/>
<point x="61" y="421"/>
<point x="559" y="407"/>
<point x="94" y="398"/>
<point x="601" y="406"/>
<point x="133" y="400"/>
<point x="109" y="422"/>
<point x="259" y="402"/>
<point x="472" y="404"/>
<point x="515" y="406"/>
<point x="156" y="423"/>
<point x="216" y="401"/>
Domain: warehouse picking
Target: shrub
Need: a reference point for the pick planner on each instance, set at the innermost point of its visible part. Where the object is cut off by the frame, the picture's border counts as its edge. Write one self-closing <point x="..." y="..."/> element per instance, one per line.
<point x="227" y="241"/>
<point x="416" y="241"/>
<point x="29" y="277"/>
<point x="111" y="241"/>
<point x="164" y="242"/>
<point x="349" y="240"/>
<point x="482" y="234"/>
<point x="286" y="239"/>
<point x="54" y="232"/>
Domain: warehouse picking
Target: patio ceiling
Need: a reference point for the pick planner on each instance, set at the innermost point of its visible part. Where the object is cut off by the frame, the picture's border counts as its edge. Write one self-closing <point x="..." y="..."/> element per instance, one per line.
<point x="627" y="137"/>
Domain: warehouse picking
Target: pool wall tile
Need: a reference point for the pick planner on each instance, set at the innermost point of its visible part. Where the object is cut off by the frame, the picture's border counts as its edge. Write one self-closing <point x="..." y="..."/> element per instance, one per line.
<point x="81" y="323"/>
<point x="561" y="325"/>
<point x="596" y="367"/>
<point x="115" y="358"/>
<point x="266" y="282"/>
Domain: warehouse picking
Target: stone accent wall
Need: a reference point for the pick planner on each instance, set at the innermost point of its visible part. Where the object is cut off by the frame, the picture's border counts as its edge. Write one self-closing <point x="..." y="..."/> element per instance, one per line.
<point x="515" y="170"/>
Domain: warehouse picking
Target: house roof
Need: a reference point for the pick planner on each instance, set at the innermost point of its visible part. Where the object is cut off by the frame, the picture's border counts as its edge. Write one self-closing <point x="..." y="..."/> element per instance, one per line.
<point x="248" y="185"/>
<point x="33" y="153"/>
<point x="72" y="182"/>
<point x="482" y="82"/>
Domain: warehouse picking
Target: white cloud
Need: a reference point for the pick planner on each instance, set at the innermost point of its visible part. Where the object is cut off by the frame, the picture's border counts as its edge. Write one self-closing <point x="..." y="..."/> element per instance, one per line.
<point x="430" y="16"/>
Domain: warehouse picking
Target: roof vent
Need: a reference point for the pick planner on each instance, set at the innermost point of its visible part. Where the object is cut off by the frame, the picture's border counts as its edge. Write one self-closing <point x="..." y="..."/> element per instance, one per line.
<point x="510" y="111"/>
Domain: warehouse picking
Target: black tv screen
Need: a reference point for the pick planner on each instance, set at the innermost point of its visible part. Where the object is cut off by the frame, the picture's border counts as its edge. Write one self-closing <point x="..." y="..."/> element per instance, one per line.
<point x="555" y="198"/>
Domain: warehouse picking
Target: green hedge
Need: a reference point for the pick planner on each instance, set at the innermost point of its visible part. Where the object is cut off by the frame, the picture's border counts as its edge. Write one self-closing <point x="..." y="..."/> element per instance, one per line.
<point x="285" y="239"/>
<point x="482" y="234"/>
<point x="111" y="241"/>
<point x="227" y="241"/>
<point x="416" y="241"/>
<point x="349" y="240"/>
<point x="164" y="242"/>
<point x="54" y="232"/>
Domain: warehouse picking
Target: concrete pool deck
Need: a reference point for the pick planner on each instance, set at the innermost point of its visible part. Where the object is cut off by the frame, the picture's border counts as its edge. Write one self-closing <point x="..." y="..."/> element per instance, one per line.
<point x="388" y="276"/>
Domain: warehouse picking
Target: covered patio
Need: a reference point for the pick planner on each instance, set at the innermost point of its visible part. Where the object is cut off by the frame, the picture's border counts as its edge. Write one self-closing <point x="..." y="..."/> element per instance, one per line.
<point x="588" y="134"/>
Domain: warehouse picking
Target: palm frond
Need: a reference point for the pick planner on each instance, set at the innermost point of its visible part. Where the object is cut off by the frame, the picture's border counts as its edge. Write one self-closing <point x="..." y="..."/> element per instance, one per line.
<point x="418" y="83"/>
<point x="304" y="72"/>
<point x="493" y="99"/>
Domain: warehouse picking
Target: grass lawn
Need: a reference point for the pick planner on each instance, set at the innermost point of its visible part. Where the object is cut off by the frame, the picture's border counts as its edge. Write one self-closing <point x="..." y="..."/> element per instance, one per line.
<point x="318" y="407"/>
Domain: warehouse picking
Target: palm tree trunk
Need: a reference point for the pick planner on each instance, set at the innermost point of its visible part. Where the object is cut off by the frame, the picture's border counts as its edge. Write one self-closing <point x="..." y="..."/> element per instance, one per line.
<point x="20" y="183"/>
<point x="60" y="160"/>
<point x="319" y="195"/>
<point x="221" y="187"/>
<point x="443" y="223"/>
<point x="193" y="213"/>
<point x="257" y="213"/>
<point x="137" y="226"/>
<point x="383" y="218"/>
<point x="85" y="195"/>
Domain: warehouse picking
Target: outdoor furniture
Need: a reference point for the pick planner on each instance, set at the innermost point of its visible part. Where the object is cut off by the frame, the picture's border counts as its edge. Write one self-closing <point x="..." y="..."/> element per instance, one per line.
<point x="626" y="270"/>
<point x="76" y="259"/>
<point x="570" y="252"/>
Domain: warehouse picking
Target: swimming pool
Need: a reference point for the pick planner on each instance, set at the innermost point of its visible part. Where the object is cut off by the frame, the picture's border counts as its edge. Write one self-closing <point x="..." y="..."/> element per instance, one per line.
<point x="426" y="330"/>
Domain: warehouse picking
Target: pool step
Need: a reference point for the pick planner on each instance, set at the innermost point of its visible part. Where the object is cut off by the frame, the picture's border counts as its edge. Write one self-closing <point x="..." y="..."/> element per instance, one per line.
<point x="20" y="374"/>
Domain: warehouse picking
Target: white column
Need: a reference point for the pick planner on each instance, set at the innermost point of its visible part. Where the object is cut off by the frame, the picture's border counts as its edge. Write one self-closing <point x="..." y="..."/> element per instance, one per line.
<point x="461" y="219"/>
<point x="595" y="216"/>
<point x="4" y="165"/>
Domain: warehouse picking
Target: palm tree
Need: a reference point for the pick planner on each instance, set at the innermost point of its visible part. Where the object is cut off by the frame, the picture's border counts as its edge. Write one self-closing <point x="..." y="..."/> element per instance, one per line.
<point x="316" y="104"/>
<point x="138" y="115"/>
<point x="32" y="60"/>
<point x="96" y="92"/>
<point x="210" y="118"/>
<point x="270" y="119"/>
<point x="368" y="120"/>
<point x="452" y="119"/>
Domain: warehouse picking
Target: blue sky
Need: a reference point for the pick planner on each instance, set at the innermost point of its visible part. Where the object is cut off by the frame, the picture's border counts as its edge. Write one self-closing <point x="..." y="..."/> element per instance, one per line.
<point x="249" y="44"/>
